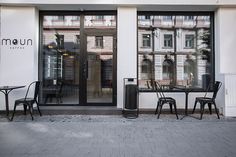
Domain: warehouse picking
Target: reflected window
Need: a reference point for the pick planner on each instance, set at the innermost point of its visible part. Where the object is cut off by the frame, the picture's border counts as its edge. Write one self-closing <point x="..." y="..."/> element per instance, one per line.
<point x="99" y="18"/>
<point x="99" y="41"/>
<point x="168" y="69"/>
<point x="188" y="18"/>
<point x="146" y="69"/>
<point x="58" y="18"/>
<point x="168" y="42"/>
<point x="146" y="40"/>
<point x="189" y="41"/>
<point x="189" y="72"/>
<point x="167" y="18"/>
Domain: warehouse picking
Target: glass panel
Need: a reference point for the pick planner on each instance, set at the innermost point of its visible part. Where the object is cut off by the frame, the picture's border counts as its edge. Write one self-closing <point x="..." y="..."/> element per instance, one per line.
<point x="181" y="53"/>
<point x="99" y="69"/>
<point x="61" y="52"/>
<point x="101" y="21"/>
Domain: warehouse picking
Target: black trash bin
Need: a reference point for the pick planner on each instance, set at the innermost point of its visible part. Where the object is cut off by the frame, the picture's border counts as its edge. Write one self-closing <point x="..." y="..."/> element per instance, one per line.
<point x="130" y="109"/>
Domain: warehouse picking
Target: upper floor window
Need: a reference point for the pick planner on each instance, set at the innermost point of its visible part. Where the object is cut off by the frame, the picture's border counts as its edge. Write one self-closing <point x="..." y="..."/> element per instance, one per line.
<point x="146" y="40"/>
<point x="99" y="41"/>
<point x="100" y="17"/>
<point x="188" y="18"/>
<point x="189" y="41"/>
<point x="168" y="42"/>
<point x="58" y="18"/>
<point x="167" y="18"/>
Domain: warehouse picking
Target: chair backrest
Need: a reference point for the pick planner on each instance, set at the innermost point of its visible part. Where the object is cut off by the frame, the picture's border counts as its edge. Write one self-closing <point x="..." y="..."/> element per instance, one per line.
<point x="216" y="88"/>
<point x="36" y="89"/>
<point x="60" y="88"/>
<point x="159" y="90"/>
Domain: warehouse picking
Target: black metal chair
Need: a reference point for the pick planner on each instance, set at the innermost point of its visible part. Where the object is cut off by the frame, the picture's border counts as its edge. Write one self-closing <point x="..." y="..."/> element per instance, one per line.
<point x="28" y="101"/>
<point x="55" y="93"/>
<point x="162" y="99"/>
<point x="208" y="100"/>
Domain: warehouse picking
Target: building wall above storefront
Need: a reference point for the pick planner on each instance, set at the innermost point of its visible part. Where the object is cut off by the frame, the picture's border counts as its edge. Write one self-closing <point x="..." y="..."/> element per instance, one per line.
<point x="141" y="5"/>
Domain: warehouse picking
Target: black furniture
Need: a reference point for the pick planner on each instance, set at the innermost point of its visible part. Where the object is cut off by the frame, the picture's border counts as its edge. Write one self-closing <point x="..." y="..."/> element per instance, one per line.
<point x="186" y="90"/>
<point x="208" y="100"/>
<point x="54" y="92"/>
<point x="162" y="99"/>
<point x="27" y="101"/>
<point x="6" y="90"/>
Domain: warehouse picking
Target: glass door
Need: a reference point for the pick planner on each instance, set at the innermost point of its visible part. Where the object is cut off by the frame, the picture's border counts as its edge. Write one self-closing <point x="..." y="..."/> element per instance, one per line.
<point x="100" y="68"/>
<point x="60" y="59"/>
<point x="77" y="59"/>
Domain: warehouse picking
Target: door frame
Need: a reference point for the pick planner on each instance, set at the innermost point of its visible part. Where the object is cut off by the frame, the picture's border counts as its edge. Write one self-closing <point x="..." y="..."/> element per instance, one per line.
<point x="83" y="33"/>
<point x="83" y="79"/>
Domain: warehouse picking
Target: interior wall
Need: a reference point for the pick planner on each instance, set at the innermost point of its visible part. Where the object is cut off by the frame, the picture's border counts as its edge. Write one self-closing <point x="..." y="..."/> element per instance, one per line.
<point x="19" y="49"/>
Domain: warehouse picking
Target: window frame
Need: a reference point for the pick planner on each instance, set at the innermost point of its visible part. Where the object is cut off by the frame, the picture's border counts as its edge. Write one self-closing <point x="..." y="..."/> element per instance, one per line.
<point x="190" y="41"/>
<point x="209" y="14"/>
<point x="148" y="42"/>
<point x="99" y="39"/>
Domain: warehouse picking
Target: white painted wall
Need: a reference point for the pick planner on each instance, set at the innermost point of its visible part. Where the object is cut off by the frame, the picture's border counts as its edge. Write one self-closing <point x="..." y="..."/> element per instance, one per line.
<point x="126" y="48"/>
<point x="225" y="40"/>
<point x="18" y="63"/>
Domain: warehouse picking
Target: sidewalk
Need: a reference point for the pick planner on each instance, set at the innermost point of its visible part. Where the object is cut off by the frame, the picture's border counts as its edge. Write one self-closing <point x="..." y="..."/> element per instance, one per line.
<point x="115" y="136"/>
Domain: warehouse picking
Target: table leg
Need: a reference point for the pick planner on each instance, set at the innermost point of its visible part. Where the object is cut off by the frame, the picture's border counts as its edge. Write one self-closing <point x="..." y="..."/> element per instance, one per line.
<point x="186" y="103"/>
<point x="7" y="103"/>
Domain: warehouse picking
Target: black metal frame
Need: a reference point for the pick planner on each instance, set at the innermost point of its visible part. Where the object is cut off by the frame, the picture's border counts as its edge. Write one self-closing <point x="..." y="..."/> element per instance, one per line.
<point x="183" y="13"/>
<point x="83" y="32"/>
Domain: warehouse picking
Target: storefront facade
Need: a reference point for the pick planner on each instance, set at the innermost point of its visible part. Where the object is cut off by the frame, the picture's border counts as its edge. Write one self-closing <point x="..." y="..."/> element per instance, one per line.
<point x="84" y="50"/>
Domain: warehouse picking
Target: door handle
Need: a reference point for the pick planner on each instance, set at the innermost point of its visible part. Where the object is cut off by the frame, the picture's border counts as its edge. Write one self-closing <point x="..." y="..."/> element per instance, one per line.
<point x="85" y="69"/>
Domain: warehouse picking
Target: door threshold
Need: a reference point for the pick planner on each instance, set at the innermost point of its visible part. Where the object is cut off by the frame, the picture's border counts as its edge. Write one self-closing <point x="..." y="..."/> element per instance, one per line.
<point x="83" y="110"/>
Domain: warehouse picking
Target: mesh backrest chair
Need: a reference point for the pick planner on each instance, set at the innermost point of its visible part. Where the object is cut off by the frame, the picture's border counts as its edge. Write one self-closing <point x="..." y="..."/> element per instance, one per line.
<point x="28" y="101"/>
<point x="208" y="100"/>
<point x="55" y="93"/>
<point x="162" y="99"/>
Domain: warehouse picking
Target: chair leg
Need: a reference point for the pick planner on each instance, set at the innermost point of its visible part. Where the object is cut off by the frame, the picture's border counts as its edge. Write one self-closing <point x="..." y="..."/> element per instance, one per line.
<point x="171" y="111"/>
<point x="160" y="111"/>
<point x="202" y="109"/>
<point x="209" y="106"/>
<point x="176" y="110"/>
<point x="25" y="108"/>
<point x="30" y="111"/>
<point x="195" y="104"/>
<point x="217" y="112"/>
<point x="13" y="112"/>
<point x="158" y="103"/>
<point x="38" y="108"/>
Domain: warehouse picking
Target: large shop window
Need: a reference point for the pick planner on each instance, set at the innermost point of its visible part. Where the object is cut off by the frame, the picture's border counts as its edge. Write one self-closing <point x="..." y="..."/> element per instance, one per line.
<point x="175" y="49"/>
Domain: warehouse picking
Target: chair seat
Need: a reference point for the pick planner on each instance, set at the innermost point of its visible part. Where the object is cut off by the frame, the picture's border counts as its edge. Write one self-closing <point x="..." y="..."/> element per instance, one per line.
<point x="205" y="99"/>
<point x="22" y="100"/>
<point x="167" y="99"/>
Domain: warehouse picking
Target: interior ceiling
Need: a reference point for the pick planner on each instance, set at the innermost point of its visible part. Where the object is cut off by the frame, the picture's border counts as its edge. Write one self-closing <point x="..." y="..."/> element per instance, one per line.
<point x="139" y="7"/>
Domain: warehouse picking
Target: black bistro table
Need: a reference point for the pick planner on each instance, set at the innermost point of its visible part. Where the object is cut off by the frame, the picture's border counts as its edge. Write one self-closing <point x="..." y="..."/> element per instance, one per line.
<point x="187" y="90"/>
<point x="6" y="90"/>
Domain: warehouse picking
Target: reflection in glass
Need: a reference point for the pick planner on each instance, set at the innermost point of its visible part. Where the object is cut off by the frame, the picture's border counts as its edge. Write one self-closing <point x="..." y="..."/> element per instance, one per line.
<point x="99" y="66"/>
<point x="101" y="21"/>
<point x="61" y="51"/>
<point x="181" y="53"/>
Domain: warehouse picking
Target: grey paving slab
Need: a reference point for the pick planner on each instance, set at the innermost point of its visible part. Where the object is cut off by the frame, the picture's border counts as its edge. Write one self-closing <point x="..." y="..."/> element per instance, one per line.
<point x="115" y="136"/>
